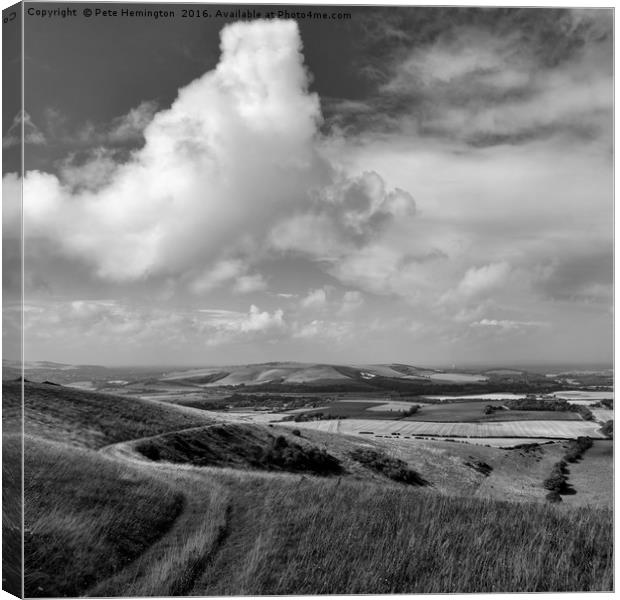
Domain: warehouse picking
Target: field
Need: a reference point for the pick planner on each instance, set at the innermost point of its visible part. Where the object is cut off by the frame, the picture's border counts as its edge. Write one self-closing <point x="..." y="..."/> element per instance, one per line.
<point x="456" y="412"/>
<point x="140" y="496"/>
<point x="474" y="412"/>
<point x="496" y="396"/>
<point x="583" y="395"/>
<point x="562" y="429"/>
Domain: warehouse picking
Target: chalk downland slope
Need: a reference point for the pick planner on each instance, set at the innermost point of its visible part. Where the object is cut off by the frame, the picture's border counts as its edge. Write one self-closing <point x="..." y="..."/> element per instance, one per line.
<point x="163" y="525"/>
<point x="91" y="419"/>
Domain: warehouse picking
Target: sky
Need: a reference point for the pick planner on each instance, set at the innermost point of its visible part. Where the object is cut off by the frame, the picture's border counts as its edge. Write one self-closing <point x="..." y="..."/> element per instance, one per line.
<point x="414" y="185"/>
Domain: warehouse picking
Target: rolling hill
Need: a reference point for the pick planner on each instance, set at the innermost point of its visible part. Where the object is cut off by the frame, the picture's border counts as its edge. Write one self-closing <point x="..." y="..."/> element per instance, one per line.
<point x="135" y="496"/>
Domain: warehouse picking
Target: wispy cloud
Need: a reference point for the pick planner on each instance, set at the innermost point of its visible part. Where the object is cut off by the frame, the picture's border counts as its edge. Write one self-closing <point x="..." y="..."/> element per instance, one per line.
<point x="32" y="134"/>
<point x="488" y="78"/>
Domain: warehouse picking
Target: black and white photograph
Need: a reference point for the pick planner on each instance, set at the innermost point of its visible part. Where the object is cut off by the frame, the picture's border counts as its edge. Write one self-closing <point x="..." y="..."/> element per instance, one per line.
<point x="307" y="299"/>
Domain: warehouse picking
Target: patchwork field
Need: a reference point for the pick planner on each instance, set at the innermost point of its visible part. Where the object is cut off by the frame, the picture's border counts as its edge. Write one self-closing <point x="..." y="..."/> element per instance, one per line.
<point x="602" y="414"/>
<point x="514" y="429"/>
<point x="583" y="395"/>
<point x="491" y="396"/>
<point x="474" y="412"/>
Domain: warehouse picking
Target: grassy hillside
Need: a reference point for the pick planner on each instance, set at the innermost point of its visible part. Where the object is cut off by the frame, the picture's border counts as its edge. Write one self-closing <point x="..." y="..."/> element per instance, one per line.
<point x="258" y="533"/>
<point x="318" y="537"/>
<point x="183" y="506"/>
<point x="93" y="420"/>
<point x="87" y="516"/>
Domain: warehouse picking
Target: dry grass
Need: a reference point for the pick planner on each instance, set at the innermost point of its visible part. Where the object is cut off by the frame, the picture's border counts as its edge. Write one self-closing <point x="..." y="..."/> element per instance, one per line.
<point x="87" y="517"/>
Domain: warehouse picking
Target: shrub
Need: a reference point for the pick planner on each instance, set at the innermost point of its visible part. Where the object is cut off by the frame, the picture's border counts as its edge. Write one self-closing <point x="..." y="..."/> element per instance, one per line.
<point x="557" y="482"/>
<point x="577" y="448"/>
<point x="481" y="467"/>
<point x="412" y="410"/>
<point x="608" y="429"/>
<point x="292" y="457"/>
<point x="393" y="468"/>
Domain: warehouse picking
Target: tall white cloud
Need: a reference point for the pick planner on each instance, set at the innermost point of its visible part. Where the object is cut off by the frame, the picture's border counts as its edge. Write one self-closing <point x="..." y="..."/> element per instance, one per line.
<point x="234" y="168"/>
<point x="235" y="148"/>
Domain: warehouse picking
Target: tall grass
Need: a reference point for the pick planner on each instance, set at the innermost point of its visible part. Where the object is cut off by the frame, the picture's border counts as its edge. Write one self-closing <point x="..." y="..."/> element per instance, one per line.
<point x="325" y="538"/>
<point x="172" y="566"/>
<point x="86" y="517"/>
<point x="11" y="512"/>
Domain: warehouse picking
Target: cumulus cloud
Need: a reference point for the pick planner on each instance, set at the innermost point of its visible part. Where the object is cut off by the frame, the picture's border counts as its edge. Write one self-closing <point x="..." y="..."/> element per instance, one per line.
<point x="316" y="299"/>
<point x="238" y="151"/>
<point x="131" y="126"/>
<point x="223" y="271"/>
<point x="325" y="298"/>
<point x="227" y="271"/>
<point x="107" y="320"/>
<point x="480" y="280"/>
<point x="318" y="329"/>
<point x="92" y="172"/>
<point x="235" y="148"/>
<point x="343" y="216"/>
<point x="228" y="326"/>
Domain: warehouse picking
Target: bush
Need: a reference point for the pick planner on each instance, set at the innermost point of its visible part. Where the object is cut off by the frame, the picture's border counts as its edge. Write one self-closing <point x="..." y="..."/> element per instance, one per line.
<point x="481" y="467"/>
<point x="393" y="468"/>
<point x="412" y="410"/>
<point x="292" y="457"/>
<point x="608" y="429"/>
<point x="557" y="481"/>
<point x="577" y="448"/>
